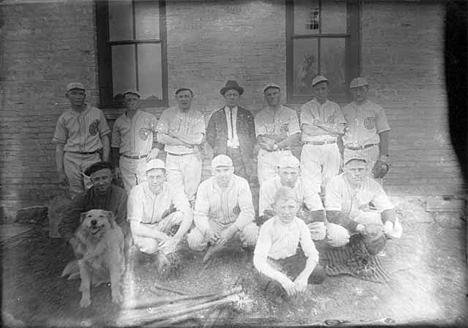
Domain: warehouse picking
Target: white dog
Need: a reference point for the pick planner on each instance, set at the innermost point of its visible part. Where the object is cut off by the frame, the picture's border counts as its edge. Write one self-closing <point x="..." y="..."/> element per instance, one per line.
<point x="100" y="255"/>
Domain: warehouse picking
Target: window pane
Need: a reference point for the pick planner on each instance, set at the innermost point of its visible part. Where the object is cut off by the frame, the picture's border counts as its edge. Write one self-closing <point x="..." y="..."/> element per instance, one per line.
<point x="306" y="17"/>
<point x="332" y="64"/>
<point x="123" y="68"/>
<point x="333" y="17"/>
<point x="120" y="20"/>
<point x="147" y="19"/>
<point x="305" y="64"/>
<point x="149" y="70"/>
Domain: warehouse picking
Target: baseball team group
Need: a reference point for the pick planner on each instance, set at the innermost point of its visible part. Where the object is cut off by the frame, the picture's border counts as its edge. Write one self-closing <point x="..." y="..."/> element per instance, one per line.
<point x="305" y="205"/>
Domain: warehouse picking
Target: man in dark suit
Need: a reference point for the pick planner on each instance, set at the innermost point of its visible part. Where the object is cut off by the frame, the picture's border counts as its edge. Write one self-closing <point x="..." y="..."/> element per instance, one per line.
<point x="231" y="132"/>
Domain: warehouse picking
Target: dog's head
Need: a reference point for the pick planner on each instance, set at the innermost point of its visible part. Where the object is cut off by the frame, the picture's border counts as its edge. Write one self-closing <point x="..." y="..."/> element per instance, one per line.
<point x="96" y="222"/>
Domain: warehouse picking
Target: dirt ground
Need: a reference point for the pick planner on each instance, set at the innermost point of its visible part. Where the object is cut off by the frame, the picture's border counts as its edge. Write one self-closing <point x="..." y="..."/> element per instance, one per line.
<point x="427" y="268"/>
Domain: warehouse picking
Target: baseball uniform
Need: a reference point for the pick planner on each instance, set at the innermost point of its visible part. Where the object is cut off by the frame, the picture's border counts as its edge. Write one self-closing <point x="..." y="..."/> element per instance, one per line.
<point x="218" y="209"/>
<point x="183" y="162"/>
<point x="303" y="195"/>
<point x="320" y="157"/>
<point x="134" y="137"/>
<point x="364" y="123"/>
<point x="270" y="122"/>
<point x="81" y="132"/>
<point x="355" y="203"/>
<point x="147" y="208"/>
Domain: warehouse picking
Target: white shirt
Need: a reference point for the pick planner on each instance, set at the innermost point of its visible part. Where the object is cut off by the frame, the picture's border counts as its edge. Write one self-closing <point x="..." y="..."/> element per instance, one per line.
<point x="216" y="203"/>
<point x="233" y="141"/>
<point x="279" y="241"/>
<point x="341" y="197"/>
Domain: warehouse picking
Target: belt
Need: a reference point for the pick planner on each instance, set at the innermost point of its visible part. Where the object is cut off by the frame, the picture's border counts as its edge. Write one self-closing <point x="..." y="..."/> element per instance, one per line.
<point x="272" y="151"/>
<point x="320" y="143"/>
<point x="360" y="147"/>
<point x="134" y="157"/>
<point x="180" y="154"/>
<point x="84" y="153"/>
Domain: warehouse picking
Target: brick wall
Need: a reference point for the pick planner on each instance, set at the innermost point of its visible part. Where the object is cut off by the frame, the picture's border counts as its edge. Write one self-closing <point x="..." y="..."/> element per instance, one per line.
<point x="402" y="55"/>
<point x="44" y="46"/>
<point x="210" y="42"/>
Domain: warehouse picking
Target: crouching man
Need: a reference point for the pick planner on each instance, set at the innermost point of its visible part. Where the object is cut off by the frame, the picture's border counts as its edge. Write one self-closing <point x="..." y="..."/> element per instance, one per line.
<point x="155" y="211"/>
<point x="285" y="270"/>
<point x="357" y="204"/>
<point x="102" y="195"/>
<point x="223" y="209"/>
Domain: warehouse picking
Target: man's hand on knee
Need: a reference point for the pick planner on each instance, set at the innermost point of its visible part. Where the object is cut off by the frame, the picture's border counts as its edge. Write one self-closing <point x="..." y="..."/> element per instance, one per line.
<point x="227" y="234"/>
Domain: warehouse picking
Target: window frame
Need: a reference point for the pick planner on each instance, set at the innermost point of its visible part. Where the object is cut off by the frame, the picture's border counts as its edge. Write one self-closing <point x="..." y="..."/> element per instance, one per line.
<point x="104" y="55"/>
<point x="352" y="49"/>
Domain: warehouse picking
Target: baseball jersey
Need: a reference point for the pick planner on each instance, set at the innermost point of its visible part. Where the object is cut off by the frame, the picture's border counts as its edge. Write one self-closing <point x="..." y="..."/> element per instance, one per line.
<point x="328" y="112"/>
<point x="278" y="240"/>
<point x="365" y="122"/>
<point x="303" y="195"/>
<point x="191" y="123"/>
<point x="341" y="197"/>
<point x="81" y="132"/>
<point x="226" y="206"/>
<point x="282" y="121"/>
<point x="135" y="136"/>
<point x="146" y="207"/>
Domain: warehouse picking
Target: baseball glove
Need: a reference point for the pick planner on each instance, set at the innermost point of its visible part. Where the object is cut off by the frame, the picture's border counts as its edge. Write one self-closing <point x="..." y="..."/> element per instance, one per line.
<point x="380" y="169"/>
<point x="374" y="238"/>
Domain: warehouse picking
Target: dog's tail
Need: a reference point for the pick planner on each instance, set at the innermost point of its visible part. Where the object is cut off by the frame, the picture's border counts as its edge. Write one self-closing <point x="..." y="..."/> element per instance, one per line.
<point x="71" y="269"/>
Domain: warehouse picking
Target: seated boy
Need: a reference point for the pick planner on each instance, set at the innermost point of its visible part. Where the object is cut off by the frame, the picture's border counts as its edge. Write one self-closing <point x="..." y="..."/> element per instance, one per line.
<point x="285" y="270"/>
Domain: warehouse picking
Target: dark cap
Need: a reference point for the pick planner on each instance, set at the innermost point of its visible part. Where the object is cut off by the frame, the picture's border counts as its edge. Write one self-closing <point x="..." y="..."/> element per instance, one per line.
<point x="97" y="167"/>
<point x="232" y="85"/>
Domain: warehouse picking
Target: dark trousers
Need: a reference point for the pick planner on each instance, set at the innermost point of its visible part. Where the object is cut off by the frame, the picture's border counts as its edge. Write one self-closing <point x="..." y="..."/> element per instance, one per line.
<point x="291" y="267"/>
<point x="238" y="161"/>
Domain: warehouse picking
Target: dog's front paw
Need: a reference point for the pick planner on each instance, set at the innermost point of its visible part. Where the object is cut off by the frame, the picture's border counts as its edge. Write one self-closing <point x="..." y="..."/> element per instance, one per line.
<point x="117" y="296"/>
<point x="85" y="301"/>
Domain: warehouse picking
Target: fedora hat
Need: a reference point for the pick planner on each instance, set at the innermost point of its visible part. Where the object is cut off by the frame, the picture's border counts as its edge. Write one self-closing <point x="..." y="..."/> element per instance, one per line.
<point x="231" y="84"/>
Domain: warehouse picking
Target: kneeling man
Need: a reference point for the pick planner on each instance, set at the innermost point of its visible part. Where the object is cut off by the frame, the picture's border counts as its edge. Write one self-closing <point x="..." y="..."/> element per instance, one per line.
<point x="282" y="267"/>
<point x="155" y="210"/>
<point x="358" y="204"/>
<point x="223" y="209"/>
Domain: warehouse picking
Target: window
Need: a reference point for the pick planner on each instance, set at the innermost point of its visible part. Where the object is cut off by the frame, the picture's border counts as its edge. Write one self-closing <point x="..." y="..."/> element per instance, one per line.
<point x="322" y="39"/>
<point x="131" y="38"/>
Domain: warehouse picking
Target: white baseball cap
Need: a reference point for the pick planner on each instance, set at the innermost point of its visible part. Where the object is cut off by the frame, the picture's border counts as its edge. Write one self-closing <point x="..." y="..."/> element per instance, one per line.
<point x="132" y="91"/>
<point x="271" y="85"/>
<point x="221" y="160"/>
<point x="288" y="161"/>
<point x="75" y="85"/>
<point x="155" y="164"/>
<point x="318" y="79"/>
<point x="358" y="82"/>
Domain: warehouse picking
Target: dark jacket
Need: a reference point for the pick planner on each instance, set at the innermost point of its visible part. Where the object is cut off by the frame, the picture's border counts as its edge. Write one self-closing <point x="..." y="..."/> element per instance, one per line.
<point x="115" y="201"/>
<point x="217" y="135"/>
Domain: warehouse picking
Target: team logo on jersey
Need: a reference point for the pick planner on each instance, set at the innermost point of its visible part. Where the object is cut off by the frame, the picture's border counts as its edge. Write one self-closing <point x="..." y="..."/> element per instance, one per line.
<point x="369" y="123"/>
<point x="143" y="133"/>
<point x="94" y="127"/>
<point x="284" y="128"/>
